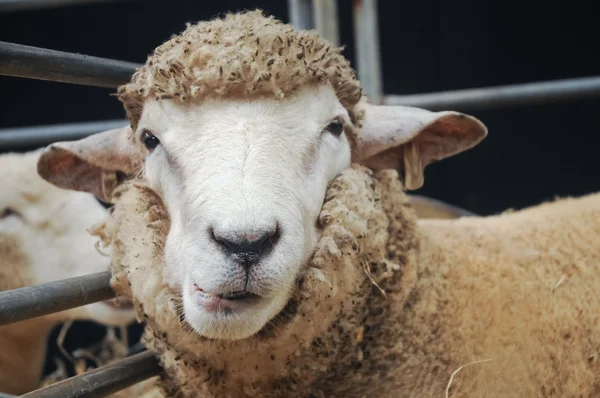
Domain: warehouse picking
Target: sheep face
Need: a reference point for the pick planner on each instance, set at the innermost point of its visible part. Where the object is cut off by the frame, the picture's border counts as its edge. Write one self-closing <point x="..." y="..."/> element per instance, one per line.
<point x="244" y="180"/>
<point x="43" y="235"/>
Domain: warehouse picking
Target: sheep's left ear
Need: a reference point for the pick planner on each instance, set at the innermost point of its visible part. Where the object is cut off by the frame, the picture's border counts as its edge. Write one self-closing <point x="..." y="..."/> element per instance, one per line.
<point x="92" y="164"/>
<point x="408" y="139"/>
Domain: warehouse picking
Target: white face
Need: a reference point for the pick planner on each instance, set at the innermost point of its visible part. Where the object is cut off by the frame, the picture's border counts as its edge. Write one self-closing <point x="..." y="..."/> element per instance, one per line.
<point x="50" y="226"/>
<point x="244" y="182"/>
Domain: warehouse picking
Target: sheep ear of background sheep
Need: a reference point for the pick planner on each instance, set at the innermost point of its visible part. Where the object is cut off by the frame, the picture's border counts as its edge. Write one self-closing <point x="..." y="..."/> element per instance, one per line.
<point x="390" y="137"/>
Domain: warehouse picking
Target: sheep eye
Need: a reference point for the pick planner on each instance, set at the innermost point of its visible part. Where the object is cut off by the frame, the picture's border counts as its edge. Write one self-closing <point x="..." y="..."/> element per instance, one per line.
<point x="149" y="140"/>
<point x="336" y="127"/>
<point x="7" y="212"/>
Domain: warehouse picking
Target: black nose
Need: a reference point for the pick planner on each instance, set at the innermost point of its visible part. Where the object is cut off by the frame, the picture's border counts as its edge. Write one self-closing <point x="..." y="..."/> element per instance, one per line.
<point x="246" y="248"/>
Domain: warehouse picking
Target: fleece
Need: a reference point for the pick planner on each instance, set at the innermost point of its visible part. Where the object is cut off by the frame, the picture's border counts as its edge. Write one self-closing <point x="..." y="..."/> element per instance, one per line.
<point x="389" y="306"/>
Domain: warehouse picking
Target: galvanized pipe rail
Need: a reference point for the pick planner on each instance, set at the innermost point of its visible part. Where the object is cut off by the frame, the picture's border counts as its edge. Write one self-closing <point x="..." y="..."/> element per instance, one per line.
<point x="104" y="380"/>
<point x="26" y="5"/>
<point x="36" y="136"/>
<point x="34" y="301"/>
<point x="366" y="38"/>
<point x="58" y="66"/>
<point x="503" y="96"/>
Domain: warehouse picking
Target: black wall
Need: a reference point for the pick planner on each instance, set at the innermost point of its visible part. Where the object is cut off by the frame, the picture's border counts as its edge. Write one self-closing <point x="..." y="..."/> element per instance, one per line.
<point x="531" y="153"/>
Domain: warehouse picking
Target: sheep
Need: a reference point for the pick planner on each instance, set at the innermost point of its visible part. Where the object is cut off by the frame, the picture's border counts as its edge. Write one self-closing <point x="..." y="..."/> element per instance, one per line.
<point x="262" y="230"/>
<point x="445" y="304"/>
<point x="43" y="238"/>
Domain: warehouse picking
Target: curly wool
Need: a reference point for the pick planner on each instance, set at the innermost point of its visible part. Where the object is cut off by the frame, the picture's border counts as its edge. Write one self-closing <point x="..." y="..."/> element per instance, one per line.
<point x="243" y="55"/>
<point x="338" y="296"/>
<point x="514" y="295"/>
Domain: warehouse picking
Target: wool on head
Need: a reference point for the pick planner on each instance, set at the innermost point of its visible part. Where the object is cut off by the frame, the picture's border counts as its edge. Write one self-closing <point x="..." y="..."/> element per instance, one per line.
<point x="242" y="55"/>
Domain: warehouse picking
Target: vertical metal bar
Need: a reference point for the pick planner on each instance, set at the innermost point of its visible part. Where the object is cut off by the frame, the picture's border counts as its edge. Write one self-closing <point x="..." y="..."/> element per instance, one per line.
<point x="326" y="20"/>
<point x="366" y="36"/>
<point x="301" y="15"/>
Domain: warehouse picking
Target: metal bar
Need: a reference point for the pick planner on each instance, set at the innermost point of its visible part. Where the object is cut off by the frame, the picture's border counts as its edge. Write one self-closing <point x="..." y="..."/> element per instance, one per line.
<point x="366" y="37"/>
<point x="20" y="5"/>
<point x="105" y="380"/>
<point x="301" y="16"/>
<point x="503" y="96"/>
<point x="137" y="348"/>
<point x="446" y="207"/>
<point x="18" y="137"/>
<point x="34" y="301"/>
<point x="326" y="20"/>
<point x="4" y="395"/>
<point x="43" y="64"/>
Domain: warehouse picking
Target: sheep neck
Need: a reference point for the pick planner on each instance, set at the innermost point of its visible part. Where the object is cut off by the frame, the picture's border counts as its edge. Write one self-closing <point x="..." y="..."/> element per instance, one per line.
<point x="368" y="246"/>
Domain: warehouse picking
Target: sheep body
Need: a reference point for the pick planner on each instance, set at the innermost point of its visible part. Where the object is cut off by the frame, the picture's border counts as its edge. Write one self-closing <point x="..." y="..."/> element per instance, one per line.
<point x="512" y="290"/>
<point x="43" y="238"/>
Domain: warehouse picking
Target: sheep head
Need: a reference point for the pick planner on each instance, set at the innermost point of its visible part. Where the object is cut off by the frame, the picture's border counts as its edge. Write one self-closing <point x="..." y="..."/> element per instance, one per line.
<point x="239" y="125"/>
<point x="44" y="236"/>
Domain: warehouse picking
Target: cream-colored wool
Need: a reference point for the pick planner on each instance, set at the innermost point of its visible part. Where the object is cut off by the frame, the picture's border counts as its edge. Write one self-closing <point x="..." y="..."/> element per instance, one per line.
<point x="40" y="241"/>
<point x="242" y="55"/>
<point x="518" y="291"/>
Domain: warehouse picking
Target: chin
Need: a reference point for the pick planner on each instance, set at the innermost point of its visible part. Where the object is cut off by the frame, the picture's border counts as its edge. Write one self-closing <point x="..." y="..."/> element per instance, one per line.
<point x="234" y="317"/>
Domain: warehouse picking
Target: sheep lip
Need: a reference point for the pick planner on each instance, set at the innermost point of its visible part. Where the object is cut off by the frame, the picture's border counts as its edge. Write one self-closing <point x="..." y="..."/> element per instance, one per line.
<point x="227" y="301"/>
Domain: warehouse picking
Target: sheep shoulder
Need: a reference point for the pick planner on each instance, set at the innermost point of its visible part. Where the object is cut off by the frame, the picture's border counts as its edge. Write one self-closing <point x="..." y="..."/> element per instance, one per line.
<point x="519" y="292"/>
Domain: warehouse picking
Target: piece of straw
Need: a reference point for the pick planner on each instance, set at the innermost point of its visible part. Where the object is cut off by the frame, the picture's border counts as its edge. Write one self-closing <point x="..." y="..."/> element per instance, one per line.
<point x="458" y="370"/>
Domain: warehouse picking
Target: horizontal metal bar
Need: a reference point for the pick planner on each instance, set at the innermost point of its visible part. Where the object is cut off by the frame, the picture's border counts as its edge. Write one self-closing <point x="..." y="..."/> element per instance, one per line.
<point x="17" y="137"/>
<point x="43" y="64"/>
<point x="105" y="380"/>
<point x="503" y="96"/>
<point x="34" y="301"/>
<point x="4" y="395"/>
<point x="21" y="5"/>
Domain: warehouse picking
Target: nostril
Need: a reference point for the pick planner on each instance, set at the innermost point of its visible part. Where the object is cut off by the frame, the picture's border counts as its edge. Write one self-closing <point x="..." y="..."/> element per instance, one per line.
<point x="247" y="246"/>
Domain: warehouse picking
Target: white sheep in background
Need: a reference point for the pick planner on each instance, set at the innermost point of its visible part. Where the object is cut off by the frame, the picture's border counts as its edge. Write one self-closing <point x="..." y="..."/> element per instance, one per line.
<point x="43" y="238"/>
<point x="267" y="262"/>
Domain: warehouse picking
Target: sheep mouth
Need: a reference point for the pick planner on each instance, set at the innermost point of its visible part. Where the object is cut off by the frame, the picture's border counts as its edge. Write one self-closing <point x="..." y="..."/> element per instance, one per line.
<point x="238" y="295"/>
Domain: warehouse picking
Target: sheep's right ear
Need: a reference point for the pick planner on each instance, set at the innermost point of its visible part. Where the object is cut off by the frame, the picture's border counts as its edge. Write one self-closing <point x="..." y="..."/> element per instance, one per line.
<point x="93" y="164"/>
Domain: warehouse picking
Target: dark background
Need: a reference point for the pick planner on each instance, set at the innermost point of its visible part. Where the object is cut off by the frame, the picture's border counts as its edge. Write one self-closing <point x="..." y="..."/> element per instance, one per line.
<point x="532" y="153"/>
